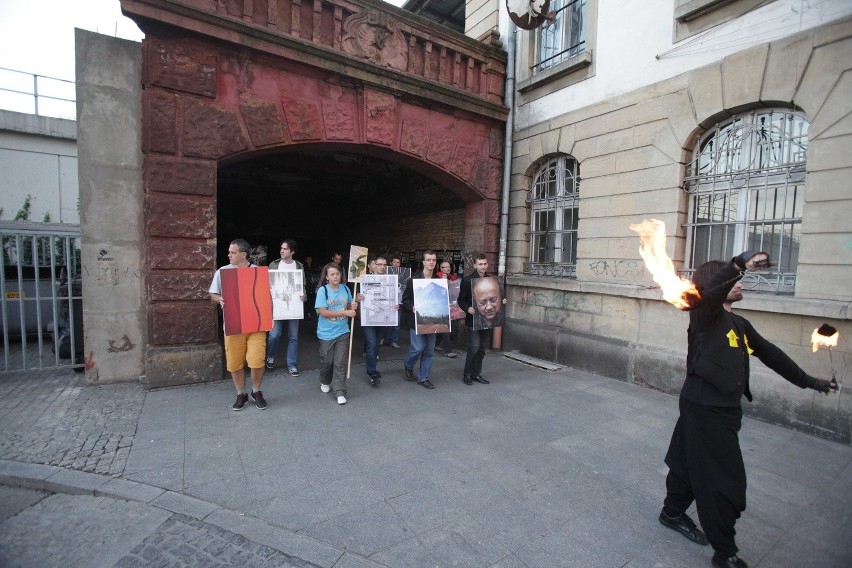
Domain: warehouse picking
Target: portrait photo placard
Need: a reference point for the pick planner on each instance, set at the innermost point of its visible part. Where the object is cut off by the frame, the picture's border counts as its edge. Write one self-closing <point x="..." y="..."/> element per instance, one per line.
<point x="287" y="290"/>
<point x="487" y="295"/>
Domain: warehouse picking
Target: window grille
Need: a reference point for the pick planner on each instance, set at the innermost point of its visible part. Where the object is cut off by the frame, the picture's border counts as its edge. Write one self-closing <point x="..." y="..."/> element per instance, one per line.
<point x="564" y="38"/>
<point x="746" y="185"/>
<point x="554" y="201"/>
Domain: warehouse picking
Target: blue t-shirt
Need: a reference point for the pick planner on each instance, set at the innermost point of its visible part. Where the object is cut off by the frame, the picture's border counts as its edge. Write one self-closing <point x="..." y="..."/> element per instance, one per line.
<point x="336" y="301"/>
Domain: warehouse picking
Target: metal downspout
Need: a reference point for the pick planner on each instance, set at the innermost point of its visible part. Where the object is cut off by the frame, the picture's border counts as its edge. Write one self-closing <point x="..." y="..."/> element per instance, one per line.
<point x="507" y="150"/>
<point x="497" y="337"/>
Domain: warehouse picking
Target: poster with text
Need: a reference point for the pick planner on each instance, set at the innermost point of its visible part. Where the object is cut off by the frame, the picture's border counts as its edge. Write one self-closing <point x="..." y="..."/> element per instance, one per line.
<point x="487" y="298"/>
<point x="248" y="303"/>
<point x="431" y="306"/>
<point x="379" y="307"/>
<point x="357" y="263"/>
<point x="286" y="288"/>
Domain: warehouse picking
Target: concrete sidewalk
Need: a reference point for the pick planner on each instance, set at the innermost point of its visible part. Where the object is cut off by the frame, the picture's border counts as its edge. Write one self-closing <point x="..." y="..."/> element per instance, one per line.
<point x="537" y="469"/>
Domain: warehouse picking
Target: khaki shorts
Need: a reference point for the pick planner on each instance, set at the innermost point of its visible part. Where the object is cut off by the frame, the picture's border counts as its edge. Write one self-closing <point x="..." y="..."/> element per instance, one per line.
<point x="245" y="348"/>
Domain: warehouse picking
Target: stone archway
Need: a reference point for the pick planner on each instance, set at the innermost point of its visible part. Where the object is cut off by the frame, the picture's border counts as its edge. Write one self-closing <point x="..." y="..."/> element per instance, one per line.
<point x="213" y="91"/>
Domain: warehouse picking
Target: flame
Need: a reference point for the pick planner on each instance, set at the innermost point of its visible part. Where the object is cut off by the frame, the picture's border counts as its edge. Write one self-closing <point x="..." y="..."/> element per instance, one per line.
<point x="677" y="290"/>
<point x="817" y="339"/>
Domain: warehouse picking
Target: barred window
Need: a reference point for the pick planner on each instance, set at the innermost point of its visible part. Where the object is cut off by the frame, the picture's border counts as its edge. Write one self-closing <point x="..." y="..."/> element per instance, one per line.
<point x="746" y="184"/>
<point x="554" y="201"/>
<point x="564" y="38"/>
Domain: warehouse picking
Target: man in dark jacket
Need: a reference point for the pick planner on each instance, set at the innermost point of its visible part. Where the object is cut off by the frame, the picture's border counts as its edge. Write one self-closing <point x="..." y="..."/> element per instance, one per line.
<point x="479" y="339"/>
<point x="704" y="457"/>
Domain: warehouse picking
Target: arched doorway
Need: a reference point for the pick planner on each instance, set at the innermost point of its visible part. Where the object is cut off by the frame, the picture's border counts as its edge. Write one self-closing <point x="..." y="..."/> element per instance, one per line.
<point x="231" y="94"/>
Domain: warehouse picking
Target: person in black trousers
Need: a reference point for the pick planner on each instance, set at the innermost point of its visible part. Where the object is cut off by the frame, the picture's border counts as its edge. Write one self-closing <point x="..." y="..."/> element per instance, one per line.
<point x="704" y="457"/>
<point x="477" y="340"/>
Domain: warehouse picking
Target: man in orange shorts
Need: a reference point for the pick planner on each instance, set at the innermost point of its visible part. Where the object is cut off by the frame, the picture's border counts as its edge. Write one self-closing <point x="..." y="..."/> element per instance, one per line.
<point x="246" y="348"/>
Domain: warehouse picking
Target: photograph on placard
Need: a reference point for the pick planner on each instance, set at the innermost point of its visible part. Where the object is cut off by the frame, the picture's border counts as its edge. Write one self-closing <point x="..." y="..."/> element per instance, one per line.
<point x="404" y="275"/>
<point x="487" y="296"/>
<point x="286" y="288"/>
<point x="248" y="303"/>
<point x="357" y="263"/>
<point x="454" y="287"/>
<point x="431" y="306"/>
<point x="379" y="306"/>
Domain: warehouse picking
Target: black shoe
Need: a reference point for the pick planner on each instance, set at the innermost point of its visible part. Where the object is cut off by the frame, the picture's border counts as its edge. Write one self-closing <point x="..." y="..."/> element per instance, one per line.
<point x="732" y="562"/>
<point x="242" y="399"/>
<point x="258" y="399"/>
<point x="479" y="379"/>
<point x="684" y="525"/>
<point x="409" y="374"/>
<point x="375" y="381"/>
<point x="426" y="384"/>
<point x="270" y="364"/>
<point x="467" y="380"/>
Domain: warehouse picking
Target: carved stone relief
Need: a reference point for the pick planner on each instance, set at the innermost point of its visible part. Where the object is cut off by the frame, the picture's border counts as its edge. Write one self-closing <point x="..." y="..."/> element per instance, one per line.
<point x="375" y="37"/>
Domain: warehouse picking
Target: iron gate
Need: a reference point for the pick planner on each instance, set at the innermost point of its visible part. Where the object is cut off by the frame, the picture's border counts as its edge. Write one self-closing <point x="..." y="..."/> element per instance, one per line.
<point x="42" y="303"/>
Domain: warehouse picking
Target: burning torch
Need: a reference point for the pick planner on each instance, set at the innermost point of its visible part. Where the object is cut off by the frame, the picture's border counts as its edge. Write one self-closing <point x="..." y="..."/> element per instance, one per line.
<point x="827" y="336"/>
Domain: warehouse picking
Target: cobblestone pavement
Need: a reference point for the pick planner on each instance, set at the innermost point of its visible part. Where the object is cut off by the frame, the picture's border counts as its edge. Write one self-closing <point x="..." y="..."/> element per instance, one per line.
<point x="101" y="531"/>
<point x="58" y="420"/>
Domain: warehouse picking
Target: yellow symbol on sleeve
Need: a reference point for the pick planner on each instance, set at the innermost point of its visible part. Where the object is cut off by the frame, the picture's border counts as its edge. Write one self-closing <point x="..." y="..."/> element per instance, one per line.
<point x="732" y="339"/>
<point x="748" y="347"/>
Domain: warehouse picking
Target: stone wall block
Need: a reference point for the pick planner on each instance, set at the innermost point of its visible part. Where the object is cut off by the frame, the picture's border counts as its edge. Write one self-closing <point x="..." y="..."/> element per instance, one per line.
<point x="641" y="158"/>
<point x="263" y="121"/>
<point x="566" y="140"/>
<point x="550" y="142"/>
<point x="182" y="254"/>
<point x="178" y="286"/>
<point x="303" y="119"/>
<point x="829" y="153"/>
<point x="487" y="178"/>
<point x="340" y="120"/>
<point x="159" y="114"/>
<point x="190" y="177"/>
<point x="827" y="185"/>
<point x="169" y="366"/>
<point x="658" y="134"/>
<point x="826" y="64"/>
<point x="835" y="116"/>
<point x="604" y="325"/>
<point x="179" y="67"/>
<point x="705" y="90"/>
<point x="543" y="297"/>
<point x="785" y="64"/>
<point x="742" y="77"/>
<point x="565" y="319"/>
<point x="823" y="282"/>
<point x="681" y="116"/>
<point x="414" y="137"/>
<point x="381" y="117"/>
<point x="495" y="143"/>
<point x="178" y="323"/>
<point x="465" y="159"/>
<point x="442" y="144"/>
<point x="168" y="216"/>
<point x="211" y="131"/>
<point x="613" y="142"/>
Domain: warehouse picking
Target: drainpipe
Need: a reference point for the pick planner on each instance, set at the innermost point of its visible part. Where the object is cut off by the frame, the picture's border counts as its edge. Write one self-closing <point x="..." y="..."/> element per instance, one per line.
<point x="509" y="99"/>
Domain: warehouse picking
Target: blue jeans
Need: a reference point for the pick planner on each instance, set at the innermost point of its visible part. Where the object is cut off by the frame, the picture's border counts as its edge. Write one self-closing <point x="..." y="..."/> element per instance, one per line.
<point x="477" y="343"/>
<point x="371" y="347"/>
<point x="393" y="332"/>
<point x="292" y="343"/>
<point x="422" y="348"/>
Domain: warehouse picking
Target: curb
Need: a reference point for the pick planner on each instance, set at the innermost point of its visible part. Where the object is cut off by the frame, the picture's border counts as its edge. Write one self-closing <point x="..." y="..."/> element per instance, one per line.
<point x="60" y="480"/>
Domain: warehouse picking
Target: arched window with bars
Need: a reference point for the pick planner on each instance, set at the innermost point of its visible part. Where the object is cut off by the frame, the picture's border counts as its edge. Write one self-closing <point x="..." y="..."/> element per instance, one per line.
<point x="554" y="200"/>
<point x="746" y="185"/>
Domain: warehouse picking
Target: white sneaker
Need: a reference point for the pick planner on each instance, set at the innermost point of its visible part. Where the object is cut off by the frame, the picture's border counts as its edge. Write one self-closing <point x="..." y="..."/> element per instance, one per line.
<point x="341" y="399"/>
<point x="325" y="388"/>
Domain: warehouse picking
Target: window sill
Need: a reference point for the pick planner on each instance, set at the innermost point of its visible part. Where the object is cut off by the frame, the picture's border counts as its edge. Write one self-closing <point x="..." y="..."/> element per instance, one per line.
<point x="568" y="67"/>
<point x="696" y="8"/>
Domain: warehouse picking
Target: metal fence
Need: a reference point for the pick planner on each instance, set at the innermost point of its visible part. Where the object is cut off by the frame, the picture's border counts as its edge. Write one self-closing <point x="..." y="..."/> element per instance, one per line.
<point x="41" y="306"/>
<point x="41" y="95"/>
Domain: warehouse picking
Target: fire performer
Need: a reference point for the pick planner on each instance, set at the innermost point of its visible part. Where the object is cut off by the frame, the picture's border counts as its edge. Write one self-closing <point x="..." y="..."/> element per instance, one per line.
<point x="704" y="457"/>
